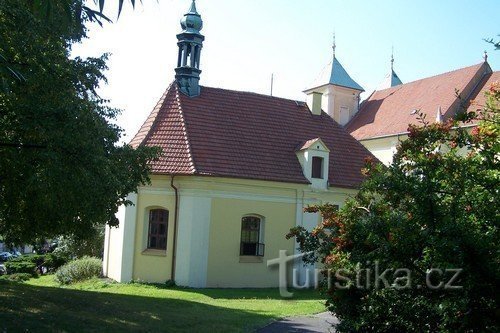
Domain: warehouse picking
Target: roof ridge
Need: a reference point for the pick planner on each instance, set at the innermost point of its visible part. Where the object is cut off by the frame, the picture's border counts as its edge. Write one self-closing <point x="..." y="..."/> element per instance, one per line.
<point x="255" y="93"/>
<point x="184" y="129"/>
<point x="465" y="102"/>
<point x="153" y="115"/>
<point x="360" y="108"/>
<point x="433" y="76"/>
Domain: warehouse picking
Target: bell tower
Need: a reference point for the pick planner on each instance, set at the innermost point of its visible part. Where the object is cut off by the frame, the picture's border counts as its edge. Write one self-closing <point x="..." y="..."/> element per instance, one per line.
<point x="190" y="42"/>
<point x="334" y="92"/>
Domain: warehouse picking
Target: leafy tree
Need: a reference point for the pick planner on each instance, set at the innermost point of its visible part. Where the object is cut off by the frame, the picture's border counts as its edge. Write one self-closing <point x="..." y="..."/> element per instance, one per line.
<point x="435" y="207"/>
<point x="52" y="9"/>
<point x="62" y="171"/>
<point x="64" y="13"/>
<point x="495" y="43"/>
<point x="73" y="247"/>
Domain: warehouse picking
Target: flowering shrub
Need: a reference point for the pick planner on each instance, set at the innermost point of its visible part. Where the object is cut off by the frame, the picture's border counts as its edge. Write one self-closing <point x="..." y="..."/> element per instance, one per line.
<point x="434" y="210"/>
<point x="79" y="270"/>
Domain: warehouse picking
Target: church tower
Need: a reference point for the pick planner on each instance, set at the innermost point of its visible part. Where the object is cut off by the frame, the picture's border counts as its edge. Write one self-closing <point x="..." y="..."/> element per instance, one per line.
<point x="190" y="42"/>
<point x="391" y="79"/>
<point x="334" y="92"/>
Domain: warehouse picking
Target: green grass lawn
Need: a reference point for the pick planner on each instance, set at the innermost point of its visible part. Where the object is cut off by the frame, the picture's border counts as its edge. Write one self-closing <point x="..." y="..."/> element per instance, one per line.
<point x="41" y="305"/>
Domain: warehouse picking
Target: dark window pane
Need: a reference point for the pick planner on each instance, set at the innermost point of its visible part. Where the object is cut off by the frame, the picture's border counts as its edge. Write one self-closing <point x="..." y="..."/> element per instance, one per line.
<point x="250" y="229"/>
<point x="253" y="236"/>
<point x="152" y="241"/>
<point x="250" y="235"/>
<point x="157" y="233"/>
<point x="249" y="249"/>
<point x="162" y="243"/>
<point x="317" y="167"/>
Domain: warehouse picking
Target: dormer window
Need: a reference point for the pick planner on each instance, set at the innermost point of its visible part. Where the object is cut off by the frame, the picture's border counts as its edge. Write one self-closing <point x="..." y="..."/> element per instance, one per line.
<point x="317" y="167"/>
<point x="314" y="157"/>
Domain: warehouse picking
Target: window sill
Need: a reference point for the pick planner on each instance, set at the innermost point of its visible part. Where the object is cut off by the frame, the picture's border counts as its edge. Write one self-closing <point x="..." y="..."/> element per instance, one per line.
<point x="251" y="259"/>
<point x="154" y="252"/>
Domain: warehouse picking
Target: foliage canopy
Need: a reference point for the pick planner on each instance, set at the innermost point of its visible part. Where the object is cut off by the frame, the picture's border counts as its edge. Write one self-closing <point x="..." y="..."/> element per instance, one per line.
<point x="435" y="207"/>
<point x="62" y="169"/>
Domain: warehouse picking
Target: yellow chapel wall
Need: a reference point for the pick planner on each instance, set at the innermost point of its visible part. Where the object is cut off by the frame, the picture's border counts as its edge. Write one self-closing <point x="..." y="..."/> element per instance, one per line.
<point x="226" y="201"/>
<point x="153" y="265"/>
<point x="226" y="268"/>
<point x="384" y="148"/>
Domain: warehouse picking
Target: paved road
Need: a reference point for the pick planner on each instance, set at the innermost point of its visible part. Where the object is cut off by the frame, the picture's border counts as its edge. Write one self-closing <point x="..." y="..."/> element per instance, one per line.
<point x="319" y="323"/>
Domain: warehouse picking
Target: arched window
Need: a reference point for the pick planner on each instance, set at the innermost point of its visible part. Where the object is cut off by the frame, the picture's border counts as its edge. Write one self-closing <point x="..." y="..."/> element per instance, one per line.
<point x="158" y="225"/>
<point x="251" y="236"/>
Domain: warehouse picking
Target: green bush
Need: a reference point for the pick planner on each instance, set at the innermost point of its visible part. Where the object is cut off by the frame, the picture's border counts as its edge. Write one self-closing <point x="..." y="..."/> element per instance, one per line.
<point x="20" y="265"/>
<point x="30" y="263"/>
<point x="430" y="221"/>
<point x="17" y="277"/>
<point x="53" y="261"/>
<point x="79" y="270"/>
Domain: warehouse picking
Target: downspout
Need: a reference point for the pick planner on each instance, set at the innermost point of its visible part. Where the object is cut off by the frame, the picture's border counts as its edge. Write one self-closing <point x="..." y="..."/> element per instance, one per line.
<point x="176" y="218"/>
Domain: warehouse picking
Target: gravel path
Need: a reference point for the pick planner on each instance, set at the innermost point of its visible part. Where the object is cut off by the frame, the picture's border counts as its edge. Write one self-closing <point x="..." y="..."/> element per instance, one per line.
<point x="320" y="323"/>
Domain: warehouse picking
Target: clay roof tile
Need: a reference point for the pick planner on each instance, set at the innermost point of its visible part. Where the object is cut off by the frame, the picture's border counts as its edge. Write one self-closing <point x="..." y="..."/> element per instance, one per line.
<point x="238" y="134"/>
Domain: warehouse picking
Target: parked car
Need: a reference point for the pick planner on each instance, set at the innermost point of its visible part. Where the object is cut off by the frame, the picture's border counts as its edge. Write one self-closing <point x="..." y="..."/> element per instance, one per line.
<point x="4" y="256"/>
<point x="15" y="254"/>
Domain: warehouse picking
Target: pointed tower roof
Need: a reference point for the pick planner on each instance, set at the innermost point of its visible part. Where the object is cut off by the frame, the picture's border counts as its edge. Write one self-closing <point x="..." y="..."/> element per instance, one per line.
<point x="192" y="22"/>
<point x="334" y="73"/>
<point x="391" y="79"/>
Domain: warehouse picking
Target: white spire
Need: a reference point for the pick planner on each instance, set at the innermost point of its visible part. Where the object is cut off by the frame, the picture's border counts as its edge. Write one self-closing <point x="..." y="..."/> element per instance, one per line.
<point x="439" y="115"/>
<point x="391" y="79"/>
<point x="392" y="59"/>
<point x="334" y="45"/>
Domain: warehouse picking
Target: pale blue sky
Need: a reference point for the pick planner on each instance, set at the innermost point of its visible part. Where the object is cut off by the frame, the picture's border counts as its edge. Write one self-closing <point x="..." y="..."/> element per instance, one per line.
<point x="247" y="40"/>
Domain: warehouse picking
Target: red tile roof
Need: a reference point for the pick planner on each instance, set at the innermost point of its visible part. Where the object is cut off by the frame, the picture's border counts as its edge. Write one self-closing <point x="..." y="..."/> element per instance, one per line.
<point x="244" y="135"/>
<point x="165" y="128"/>
<point x="478" y="100"/>
<point x="389" y="111"/>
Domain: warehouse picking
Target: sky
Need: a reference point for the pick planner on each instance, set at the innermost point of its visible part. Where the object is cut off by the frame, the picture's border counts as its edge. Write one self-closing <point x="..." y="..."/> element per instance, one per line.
<point x="248" y="40"/>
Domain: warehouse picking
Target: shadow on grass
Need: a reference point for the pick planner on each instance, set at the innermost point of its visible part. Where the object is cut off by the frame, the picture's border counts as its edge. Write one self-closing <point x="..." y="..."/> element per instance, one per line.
<point x="40" y="309"/>
<point x="266" y="293"/>
<point x="244" y="293"/>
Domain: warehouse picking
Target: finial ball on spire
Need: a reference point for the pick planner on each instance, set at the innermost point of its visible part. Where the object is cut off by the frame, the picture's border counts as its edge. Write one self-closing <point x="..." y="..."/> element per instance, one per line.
<point x="192" y="22"/>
